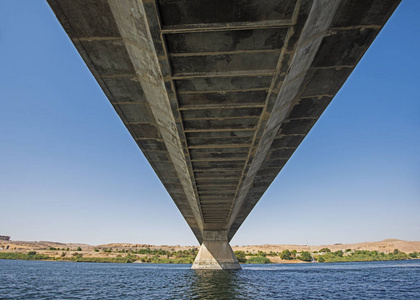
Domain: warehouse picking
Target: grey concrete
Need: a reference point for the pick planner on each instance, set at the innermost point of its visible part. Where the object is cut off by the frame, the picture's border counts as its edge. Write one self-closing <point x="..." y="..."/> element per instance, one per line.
<point x="219" y="94"/>
<point x="215" y="253"/>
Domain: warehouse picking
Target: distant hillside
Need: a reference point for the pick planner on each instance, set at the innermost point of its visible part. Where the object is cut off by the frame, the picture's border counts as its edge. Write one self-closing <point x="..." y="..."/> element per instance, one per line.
<point x="383" y="246"/>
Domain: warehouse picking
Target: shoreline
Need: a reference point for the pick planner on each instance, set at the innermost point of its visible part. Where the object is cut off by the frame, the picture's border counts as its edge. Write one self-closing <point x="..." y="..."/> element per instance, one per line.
<point x="383" y="246"/>
<point x="385" y="250"/>
<point x="151" y="263"/>
<point x="257" y="259"/>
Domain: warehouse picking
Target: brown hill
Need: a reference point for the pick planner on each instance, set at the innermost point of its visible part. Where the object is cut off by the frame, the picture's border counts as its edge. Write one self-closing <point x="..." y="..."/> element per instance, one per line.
<point x="383" y="246"/>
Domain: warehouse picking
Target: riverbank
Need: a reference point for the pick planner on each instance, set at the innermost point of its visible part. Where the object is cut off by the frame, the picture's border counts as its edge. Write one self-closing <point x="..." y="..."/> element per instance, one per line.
<point x="188" y="258"/>
<point x="142" y="253"/>
<point x="387" y="245"/>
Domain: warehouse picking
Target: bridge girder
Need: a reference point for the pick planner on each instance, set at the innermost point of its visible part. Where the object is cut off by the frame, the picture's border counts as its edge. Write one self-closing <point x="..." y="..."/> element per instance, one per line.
<point x="219" y="94"/>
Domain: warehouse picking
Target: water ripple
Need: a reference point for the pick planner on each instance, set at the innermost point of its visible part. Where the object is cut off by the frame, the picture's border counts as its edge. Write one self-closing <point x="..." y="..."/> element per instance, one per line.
<point x="65" y="280"/>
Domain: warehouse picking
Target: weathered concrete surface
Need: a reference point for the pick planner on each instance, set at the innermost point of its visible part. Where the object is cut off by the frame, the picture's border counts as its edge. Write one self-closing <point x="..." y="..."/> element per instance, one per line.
<point x="215" y="253"/>
<point x="218" y="94"/>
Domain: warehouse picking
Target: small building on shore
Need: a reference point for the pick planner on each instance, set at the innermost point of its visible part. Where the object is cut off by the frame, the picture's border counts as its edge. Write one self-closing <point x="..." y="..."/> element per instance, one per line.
<point x="4" y="238"/>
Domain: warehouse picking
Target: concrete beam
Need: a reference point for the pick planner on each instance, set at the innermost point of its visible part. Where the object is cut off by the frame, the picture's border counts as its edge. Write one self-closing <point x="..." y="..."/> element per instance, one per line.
<point x="219" y="94"/>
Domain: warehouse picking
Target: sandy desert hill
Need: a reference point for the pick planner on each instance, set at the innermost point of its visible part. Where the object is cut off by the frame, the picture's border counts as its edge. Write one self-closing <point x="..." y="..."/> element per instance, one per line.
<point x="383" y="246"/>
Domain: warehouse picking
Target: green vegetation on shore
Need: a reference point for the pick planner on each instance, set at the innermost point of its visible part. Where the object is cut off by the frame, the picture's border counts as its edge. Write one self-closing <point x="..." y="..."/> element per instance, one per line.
<point x="348" y="255"/>
<point x="260" y="258"/>
<point x="325" y="255"/>
<point x="148" y="255"/>
<point x="75" y="258"/>
<point x="152" y="256"/>
<point x="31" y="255"/>
<point x="364" y="255"/>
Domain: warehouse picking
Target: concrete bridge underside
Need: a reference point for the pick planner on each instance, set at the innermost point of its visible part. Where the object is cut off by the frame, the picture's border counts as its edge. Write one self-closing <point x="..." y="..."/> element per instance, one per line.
<point x="218" y="94"/>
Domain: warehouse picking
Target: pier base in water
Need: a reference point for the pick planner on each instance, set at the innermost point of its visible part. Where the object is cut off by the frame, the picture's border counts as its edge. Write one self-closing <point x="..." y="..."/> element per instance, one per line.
<point x="215" y="254"/>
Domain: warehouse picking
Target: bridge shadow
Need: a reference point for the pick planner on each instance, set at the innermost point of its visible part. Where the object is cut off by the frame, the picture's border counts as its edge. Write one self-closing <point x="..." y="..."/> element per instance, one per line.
<point x="216" y="284"/>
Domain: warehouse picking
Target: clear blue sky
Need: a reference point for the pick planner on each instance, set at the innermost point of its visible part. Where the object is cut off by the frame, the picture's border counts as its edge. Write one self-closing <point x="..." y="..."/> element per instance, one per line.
<point x="70" y="171"/>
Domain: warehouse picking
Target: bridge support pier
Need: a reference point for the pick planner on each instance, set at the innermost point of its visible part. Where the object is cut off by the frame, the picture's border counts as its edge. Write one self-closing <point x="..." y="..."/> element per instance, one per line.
<point x="215" y="253"/>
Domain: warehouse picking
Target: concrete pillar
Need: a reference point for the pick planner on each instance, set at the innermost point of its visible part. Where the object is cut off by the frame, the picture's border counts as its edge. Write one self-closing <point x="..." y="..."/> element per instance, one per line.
<point x="215" y="253"/>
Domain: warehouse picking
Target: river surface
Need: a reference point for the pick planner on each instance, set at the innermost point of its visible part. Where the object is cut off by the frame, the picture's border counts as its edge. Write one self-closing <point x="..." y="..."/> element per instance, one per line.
<point x="67" y="280"/>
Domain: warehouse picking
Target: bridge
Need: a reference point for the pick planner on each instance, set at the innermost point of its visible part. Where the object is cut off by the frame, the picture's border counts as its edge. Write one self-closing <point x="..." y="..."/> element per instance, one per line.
<point x="218" y="94"/>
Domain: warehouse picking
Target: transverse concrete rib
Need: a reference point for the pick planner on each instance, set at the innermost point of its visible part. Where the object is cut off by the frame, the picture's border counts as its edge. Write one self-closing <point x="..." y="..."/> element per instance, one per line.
<point x="219" y="94"/>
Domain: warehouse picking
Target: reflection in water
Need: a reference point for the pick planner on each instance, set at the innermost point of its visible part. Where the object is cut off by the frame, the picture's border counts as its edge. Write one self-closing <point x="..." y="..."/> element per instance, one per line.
<point x="216" y="284"/>
<point x="65" y="280"/>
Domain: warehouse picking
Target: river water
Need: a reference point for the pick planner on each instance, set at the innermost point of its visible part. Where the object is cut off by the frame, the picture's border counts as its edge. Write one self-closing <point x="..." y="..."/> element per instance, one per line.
<point x="67" y="280"/>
